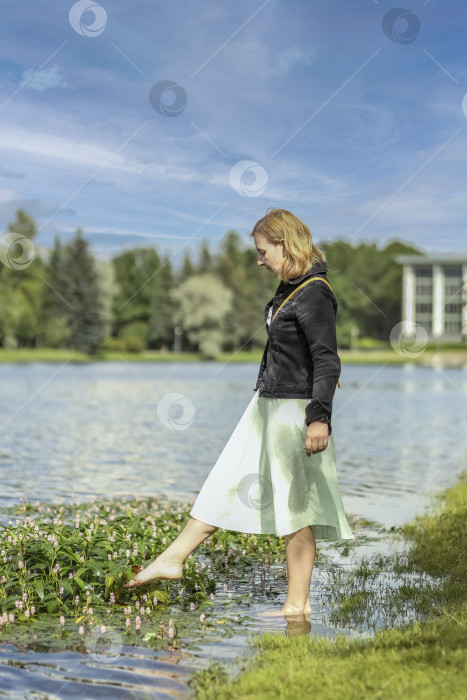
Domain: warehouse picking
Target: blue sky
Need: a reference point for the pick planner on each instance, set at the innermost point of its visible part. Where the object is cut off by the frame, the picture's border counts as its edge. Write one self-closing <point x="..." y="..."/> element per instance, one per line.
<point x="309" y="106"/>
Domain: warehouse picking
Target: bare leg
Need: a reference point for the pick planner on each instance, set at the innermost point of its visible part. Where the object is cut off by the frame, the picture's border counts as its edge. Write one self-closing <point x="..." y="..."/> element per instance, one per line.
<point x="169" y="564"/>
<point x="300" y="552"/>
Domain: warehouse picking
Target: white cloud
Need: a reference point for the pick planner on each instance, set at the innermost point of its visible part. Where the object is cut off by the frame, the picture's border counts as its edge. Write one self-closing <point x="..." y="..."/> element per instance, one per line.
<point x="112" y="231"/>
<point x="64" y="148"/>
<point x="286" y="59"/>
<point x="44" y="79"/>
<point x="7" y="195"/>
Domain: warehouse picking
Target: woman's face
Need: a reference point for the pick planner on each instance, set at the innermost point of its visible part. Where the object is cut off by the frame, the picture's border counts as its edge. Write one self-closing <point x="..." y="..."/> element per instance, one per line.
<point x="269" y="255"/>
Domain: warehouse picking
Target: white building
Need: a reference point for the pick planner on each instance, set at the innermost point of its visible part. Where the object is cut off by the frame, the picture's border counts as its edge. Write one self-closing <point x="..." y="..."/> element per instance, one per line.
<point x="434" y="294"/>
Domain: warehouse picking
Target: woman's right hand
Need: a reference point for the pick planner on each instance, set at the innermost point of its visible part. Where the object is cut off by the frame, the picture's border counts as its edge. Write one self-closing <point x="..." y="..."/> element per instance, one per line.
<point x="317" y="436"/>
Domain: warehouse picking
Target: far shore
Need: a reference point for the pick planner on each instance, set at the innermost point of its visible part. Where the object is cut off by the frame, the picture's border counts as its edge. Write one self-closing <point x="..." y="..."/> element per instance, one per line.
<point x="430" y="357"/>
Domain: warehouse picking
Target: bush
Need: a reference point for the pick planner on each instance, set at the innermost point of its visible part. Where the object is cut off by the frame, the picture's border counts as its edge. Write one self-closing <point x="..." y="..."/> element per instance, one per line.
<point x="134" y="336"/>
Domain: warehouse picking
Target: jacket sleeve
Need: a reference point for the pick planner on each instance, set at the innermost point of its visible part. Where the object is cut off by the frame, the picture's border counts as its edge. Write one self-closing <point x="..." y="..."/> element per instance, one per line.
<point x="316" y="315"/>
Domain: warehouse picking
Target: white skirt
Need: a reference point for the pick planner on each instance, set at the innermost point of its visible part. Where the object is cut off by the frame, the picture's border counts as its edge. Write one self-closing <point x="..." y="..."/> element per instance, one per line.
<point x="263" y="481"/>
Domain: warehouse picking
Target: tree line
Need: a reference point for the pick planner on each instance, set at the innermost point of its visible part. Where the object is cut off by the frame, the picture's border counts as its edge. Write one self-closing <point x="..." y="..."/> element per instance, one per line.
<point x="138" y="301"/>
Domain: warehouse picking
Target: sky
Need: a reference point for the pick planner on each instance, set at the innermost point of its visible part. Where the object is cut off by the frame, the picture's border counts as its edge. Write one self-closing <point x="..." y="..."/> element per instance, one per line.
<point x="158" y="123"/>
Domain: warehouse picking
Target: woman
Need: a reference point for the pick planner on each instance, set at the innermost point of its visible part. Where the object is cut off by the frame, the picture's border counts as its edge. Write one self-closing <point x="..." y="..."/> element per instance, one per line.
<point x="277" y="473"/>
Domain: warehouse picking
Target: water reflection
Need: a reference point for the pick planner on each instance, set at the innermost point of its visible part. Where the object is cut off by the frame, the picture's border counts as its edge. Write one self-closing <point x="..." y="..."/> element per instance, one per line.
<point x="94" y="430"/>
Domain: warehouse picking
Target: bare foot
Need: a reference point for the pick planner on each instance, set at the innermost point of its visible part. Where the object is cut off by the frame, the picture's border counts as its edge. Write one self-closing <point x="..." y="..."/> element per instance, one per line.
<point x="287" y="610"/>
<point x="293" y="610"/>
<point x="157" y="569"/>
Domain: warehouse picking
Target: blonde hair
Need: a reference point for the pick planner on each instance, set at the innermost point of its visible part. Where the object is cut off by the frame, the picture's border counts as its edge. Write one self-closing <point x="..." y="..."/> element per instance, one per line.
<point x="281" y="226"/>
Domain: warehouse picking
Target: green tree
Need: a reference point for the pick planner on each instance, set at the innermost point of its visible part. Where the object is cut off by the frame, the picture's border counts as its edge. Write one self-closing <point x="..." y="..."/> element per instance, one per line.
<point x="252" y="287"/>
<point x="20" y="283"/>
<point x="54" y="328"/>
<point x="188" y="268"/>
<point x="205" y="258"/>
<point x="136" y="281"/>
<point x="202" y="307"/>
<point x="161" y="323"/>
<point x="82" y="295"/>
<point x="368" y="285"/>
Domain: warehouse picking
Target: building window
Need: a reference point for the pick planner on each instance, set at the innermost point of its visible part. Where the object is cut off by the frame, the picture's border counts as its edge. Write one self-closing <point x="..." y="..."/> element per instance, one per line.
<point x="426" y="324"/>
<point x="452" y="327"/>
<point x="453" y="271"/>
<point x="453" y="290"/>
<point x="453" y="309"/>
<point x="424" y="290"/>
<point x="422" y="308"/>
<point x="424" y="272"/>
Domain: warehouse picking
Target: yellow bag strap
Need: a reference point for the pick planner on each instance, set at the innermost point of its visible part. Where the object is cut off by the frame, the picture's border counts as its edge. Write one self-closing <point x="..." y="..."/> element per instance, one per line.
<point x="296" y="290"/>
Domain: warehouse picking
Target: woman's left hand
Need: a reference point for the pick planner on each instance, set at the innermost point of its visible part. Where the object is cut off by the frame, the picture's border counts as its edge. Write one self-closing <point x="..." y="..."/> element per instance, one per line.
<point x="317" y="435"/>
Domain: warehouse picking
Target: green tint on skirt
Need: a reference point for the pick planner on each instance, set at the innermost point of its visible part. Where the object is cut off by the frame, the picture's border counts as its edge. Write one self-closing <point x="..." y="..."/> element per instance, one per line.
<point x="263" y="481"/>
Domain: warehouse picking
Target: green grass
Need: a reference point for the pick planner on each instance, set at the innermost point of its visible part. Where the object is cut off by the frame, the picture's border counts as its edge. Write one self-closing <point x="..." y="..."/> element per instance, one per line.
<point x="424" y="659"/>
<point x="361" y="356"/>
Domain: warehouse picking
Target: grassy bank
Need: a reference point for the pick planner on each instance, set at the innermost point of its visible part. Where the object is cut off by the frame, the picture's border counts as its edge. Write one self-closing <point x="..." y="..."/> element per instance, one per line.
<point x="447" y="357"/>
<point x="423" y="658"/>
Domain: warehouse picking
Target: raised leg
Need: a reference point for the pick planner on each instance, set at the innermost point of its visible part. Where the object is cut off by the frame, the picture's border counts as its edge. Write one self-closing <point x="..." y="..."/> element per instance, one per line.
<point x="169" y="564"/>
<point x="300" y="550"/>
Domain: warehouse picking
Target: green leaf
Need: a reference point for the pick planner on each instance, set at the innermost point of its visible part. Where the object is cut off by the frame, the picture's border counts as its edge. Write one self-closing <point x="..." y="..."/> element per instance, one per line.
<point x="39" y="588"/>
<point x="66" y="584"/>
<point x="161" y="596"/>
<point x="80" y="582"/>
<point x="108" y="584"/>
<point x="52" y="605"/>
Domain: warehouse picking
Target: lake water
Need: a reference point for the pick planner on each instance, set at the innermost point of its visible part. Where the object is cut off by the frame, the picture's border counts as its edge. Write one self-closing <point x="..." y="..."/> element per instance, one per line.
<point x="109" y="429"/>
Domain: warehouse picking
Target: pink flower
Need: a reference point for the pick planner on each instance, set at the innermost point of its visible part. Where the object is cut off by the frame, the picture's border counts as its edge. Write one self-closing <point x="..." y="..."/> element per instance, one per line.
<point x="81" y="629"/>
<point x="20" y="564"/>
<point x="62" y="620"/>
<point x="127" y="622"/>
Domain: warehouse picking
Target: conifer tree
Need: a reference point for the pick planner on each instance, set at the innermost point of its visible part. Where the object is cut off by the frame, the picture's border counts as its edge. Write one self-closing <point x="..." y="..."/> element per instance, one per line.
<point x="83" y="296"/>
<point x="161" y="323"/>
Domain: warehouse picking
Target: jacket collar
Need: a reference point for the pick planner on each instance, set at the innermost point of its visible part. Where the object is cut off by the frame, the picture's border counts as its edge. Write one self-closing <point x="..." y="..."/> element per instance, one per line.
<point x="316" y="268"/>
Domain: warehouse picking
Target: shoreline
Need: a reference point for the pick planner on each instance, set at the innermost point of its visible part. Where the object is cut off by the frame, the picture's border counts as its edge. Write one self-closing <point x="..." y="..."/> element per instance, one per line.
<point x="423" y="656"/>
<point x="454" y="358"/>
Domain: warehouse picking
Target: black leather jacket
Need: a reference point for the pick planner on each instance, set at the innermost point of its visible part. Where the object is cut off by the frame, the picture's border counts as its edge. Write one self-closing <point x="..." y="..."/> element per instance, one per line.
<point x="300" y="359"/>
